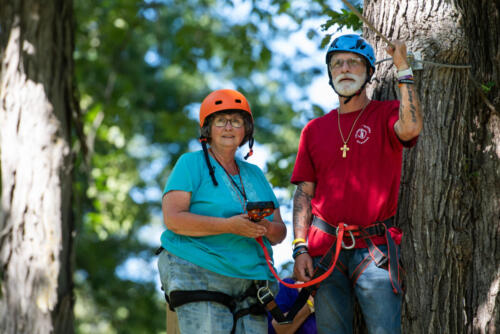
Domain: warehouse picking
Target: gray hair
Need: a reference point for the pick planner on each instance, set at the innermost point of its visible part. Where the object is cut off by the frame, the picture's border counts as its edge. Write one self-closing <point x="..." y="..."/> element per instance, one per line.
<point x="247" y="121"/>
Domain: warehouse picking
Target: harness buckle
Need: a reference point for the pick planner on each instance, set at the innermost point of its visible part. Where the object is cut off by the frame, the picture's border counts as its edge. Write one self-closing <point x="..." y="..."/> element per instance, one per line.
<point x="351" y="246"/>
<point x="264" y="294"/>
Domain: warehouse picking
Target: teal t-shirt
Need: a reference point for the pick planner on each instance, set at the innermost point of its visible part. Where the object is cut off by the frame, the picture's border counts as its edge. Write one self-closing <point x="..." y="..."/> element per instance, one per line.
<point x="227" y="254"/>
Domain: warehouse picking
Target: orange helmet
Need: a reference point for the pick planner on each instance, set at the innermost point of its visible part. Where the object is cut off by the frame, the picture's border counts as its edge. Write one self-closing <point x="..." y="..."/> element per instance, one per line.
<point x="223" y="99"/>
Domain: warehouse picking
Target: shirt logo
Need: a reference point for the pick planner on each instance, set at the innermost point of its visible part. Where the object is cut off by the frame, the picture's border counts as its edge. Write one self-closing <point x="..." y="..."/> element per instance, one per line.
<point x="363" y="134"/>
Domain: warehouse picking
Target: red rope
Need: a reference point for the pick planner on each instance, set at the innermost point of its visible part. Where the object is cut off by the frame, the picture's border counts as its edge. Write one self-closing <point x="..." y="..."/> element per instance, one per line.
<point x="338" y="245"/>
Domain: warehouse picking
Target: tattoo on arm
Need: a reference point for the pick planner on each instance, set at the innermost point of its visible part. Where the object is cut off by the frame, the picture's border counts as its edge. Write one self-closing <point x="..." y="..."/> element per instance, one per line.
<point x="302" y="213"/>
<point x="401" y="113"/>
<point x="413" y="110"/>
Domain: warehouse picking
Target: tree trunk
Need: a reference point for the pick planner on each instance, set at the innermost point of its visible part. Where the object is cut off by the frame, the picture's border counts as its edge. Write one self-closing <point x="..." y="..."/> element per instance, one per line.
<point x="36" y="225"/>
<point x="449" y="204"/>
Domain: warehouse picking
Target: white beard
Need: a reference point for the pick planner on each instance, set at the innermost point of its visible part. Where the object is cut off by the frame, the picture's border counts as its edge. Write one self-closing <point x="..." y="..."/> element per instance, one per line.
<point x="348" y="88"/>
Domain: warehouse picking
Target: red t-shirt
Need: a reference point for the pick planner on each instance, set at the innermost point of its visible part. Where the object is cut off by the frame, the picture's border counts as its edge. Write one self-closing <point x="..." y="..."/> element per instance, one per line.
<point x="363" y="187"/>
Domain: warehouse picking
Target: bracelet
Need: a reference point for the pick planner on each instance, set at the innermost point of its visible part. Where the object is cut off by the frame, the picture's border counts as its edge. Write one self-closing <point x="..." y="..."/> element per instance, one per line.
<point x="299" y="245"/>
<point x="311" y="305"/>
<point x="299" y="252"/>
<point x="298" y="249"/>
<point x="403" y="73"/>
<point x="408" y="82"/>
<point x="297" y="240"/>
<point x="406" y="77"/>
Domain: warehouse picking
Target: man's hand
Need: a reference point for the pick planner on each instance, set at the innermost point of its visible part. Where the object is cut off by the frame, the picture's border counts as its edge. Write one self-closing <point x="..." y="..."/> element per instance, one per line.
<point x="303" y="267"/>
<point x="399" y="55"/>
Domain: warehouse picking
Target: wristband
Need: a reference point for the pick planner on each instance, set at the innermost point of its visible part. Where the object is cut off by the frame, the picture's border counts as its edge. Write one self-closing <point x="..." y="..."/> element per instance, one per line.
<point x="311" y="305"/>
<point x="299" y="252"/>
<point x="298" y="249"/>
<point x="297" y="240"/>
<point x="406" y="77"/>
<point x="408" y="82"/>
<point x="300" y="244"/>
<point x="406" y="72"/>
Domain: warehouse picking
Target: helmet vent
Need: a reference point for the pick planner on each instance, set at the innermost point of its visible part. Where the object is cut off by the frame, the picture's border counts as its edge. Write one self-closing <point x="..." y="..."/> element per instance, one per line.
<point x="238" y="101"/>
<point x="218" y="102"/>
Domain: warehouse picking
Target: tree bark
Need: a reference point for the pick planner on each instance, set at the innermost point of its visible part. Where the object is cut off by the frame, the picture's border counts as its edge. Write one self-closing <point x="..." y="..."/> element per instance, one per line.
<point x="449" y="204"/>
<point x="36" y="225"/>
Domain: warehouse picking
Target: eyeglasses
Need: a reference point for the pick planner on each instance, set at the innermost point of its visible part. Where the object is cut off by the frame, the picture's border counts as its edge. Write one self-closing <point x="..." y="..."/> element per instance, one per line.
<point x="336" y="64"/>
<point x="221" y="122"/>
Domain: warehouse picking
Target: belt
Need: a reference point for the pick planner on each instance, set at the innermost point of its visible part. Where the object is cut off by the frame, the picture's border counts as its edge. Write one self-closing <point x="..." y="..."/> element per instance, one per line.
<point x="391" y="261"/>
<point x="355" y="231"/>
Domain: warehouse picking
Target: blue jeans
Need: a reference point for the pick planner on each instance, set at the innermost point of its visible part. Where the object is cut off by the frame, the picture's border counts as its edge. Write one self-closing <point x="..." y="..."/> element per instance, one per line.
<point x="209" y="317"/>
<point x="334" y="300"/>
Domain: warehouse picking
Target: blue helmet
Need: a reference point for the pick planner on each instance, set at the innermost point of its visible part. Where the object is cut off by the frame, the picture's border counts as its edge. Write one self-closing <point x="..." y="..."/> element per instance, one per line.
<point x="355" y="44"/>
<point x="352" y="43"/>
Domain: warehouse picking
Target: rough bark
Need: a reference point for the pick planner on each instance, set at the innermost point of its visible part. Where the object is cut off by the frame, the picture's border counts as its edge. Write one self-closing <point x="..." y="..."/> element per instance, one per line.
<point x="36" y="104"/>
<point x="449" y="204"/>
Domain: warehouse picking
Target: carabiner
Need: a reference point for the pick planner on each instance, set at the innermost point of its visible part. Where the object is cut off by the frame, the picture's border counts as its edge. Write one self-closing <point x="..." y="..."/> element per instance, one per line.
<point x="351" y="246"/>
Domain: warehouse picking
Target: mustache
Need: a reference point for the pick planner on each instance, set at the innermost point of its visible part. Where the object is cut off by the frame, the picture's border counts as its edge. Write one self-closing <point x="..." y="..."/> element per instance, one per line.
<point x="347" y="76"/>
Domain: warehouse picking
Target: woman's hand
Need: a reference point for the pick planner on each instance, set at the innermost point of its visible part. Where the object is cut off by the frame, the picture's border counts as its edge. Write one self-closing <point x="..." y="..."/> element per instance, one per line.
<point x="242" y="225"/>
<point x="178" y="219"/>
<point x="276" y="230"/>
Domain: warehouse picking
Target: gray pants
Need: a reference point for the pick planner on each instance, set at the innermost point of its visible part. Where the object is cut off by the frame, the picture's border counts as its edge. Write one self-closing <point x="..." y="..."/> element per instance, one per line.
<point x="208" y="317"/>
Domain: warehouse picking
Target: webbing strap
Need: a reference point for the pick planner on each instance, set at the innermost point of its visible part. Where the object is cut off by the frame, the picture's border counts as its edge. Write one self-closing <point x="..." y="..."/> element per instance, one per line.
<point x="255" y="309"/>
<point x="321" y="272"/>
<point x="180" y="297"/>
<point x="379" y="228"/>
<point x="393" y="261"/>
<point x="329" y="260"/>
<point x="371" y="230"/>
<point x="268" y="301"/>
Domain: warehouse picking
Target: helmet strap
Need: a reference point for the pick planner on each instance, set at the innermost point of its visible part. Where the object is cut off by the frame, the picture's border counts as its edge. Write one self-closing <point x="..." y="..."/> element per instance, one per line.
<point x="250" y="145"/>
<point x="211" y="170"/>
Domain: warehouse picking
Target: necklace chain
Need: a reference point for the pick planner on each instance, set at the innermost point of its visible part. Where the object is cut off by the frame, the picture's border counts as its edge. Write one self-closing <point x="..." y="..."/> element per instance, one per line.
<point x="345" y="148"/>
<point x="235" y="187"/>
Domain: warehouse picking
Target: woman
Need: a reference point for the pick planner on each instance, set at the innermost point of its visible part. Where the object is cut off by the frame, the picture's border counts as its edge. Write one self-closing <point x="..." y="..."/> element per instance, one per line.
<point x="209" y="244"/>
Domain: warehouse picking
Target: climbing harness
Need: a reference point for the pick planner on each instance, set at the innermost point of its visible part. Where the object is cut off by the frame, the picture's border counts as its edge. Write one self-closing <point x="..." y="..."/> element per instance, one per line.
<point x="389" y="262"/>
<point x="330" y="261"/>
<point x="178" y="298"/>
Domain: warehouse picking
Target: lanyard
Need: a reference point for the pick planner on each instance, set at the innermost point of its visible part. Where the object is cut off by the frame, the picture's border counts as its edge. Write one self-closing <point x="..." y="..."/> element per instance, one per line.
<point x="233" y="183"/>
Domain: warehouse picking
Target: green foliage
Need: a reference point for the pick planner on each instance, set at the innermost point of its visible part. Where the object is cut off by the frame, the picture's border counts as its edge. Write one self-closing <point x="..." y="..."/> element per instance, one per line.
<point x="488" y="86"/>
<point x="344" y="19"/>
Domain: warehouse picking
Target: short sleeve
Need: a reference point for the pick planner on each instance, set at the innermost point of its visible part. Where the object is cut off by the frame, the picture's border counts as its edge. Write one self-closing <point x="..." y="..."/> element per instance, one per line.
<point x="182" y="177"/>
<point x="303" y="169"/>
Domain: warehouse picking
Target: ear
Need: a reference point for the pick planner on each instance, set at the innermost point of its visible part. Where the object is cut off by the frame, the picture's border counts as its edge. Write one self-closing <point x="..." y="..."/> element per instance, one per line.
<point x="370" y="72"/>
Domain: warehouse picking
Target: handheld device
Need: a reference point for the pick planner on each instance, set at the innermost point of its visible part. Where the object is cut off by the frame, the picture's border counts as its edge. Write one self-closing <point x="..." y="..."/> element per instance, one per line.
<point x="258" y="210"/>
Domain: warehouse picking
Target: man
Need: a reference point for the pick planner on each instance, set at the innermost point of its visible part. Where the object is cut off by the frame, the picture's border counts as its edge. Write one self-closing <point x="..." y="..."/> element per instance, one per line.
<point x="347" y="173"/>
